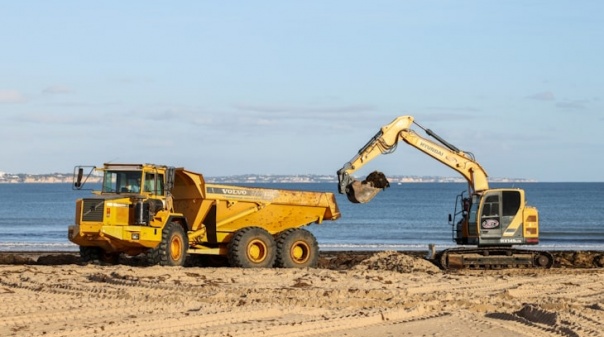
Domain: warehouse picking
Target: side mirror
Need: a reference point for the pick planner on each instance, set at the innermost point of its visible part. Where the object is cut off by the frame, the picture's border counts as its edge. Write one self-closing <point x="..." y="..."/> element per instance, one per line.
<point x="78" y="183"/>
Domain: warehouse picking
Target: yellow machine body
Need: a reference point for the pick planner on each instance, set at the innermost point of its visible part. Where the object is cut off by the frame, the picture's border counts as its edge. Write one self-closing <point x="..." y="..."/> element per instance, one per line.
<point x="118" y="219"/>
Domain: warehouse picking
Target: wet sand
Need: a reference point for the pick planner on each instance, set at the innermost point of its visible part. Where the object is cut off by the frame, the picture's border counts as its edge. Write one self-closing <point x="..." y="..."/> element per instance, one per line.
<point x="350" y="294"/>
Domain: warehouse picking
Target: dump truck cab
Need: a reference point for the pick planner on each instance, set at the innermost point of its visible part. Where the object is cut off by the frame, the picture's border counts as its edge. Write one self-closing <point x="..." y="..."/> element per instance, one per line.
<point x="127" y="214"/>
<point x="144" y="185"/>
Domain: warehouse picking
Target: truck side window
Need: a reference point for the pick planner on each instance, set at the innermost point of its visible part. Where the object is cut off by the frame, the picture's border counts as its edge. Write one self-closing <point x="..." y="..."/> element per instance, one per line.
<point x="154" y="183"/>
<point x="160" y="184"/>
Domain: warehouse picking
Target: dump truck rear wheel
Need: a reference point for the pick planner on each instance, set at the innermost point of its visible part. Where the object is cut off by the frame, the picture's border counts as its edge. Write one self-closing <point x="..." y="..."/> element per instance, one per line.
<point x="297" y="248"/>
<point x="172" y="250"/>
<point x="251" y="247"/>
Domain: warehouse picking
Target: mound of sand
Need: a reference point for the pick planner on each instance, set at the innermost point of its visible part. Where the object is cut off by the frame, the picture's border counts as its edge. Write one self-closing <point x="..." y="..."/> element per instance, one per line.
<point x="398" y="262"/>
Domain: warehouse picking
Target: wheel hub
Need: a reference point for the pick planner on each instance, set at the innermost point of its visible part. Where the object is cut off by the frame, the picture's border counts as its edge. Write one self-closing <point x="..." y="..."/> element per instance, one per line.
<point x="176" y="248"/>
<point x="257" y="251"/>
<point x="300" y="252"/>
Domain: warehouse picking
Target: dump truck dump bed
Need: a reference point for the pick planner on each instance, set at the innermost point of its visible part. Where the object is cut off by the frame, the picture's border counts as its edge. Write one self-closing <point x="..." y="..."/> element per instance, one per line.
<point x="235" y="207"/>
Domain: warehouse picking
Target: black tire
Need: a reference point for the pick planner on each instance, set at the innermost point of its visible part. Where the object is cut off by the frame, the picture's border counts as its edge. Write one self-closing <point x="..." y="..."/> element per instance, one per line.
<point x="251" y="247"/>
<point x="98" y="256"/>
<point x="297" y="248"/>
<point x="599" y="261"/>
<point x="90" y="255"/>
<point x="443" y="260"/>
<point x="172" y="250"/>
<point x="543" y="260"/>
<point x="110" y="258"/>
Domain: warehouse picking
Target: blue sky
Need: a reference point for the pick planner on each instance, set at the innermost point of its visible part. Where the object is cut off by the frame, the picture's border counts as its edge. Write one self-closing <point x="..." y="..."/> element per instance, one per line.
<point x="297" y="87"/>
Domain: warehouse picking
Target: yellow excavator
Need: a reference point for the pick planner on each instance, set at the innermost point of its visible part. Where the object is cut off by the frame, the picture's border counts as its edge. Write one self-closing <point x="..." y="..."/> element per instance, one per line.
<point x="486" y="222"/>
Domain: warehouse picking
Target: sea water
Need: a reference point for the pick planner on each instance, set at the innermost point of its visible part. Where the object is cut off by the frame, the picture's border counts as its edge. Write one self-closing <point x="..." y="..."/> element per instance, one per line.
<point x="35" y="217"/>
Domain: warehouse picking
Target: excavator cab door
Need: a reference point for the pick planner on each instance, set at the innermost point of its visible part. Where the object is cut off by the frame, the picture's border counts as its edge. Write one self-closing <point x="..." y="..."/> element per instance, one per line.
<point x="490" y="216"/>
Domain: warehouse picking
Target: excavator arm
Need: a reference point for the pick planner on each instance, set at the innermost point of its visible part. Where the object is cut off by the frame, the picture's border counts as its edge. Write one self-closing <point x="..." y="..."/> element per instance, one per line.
<point x="386" y="140"/>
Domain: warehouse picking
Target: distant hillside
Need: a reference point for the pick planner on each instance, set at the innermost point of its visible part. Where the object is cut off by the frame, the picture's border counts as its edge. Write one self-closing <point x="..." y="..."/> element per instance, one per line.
<point x="247" y="178"/>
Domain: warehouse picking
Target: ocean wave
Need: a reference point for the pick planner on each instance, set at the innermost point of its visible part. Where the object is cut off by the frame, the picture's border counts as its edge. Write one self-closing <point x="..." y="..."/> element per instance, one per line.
<point x="377" y="246"/>
<point x="418" y="247"/>
<point x="36" y="246"/>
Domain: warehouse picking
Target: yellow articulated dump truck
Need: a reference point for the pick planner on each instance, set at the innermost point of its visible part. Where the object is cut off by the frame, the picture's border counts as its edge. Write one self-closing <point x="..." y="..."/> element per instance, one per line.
<point x="168" y="213"/>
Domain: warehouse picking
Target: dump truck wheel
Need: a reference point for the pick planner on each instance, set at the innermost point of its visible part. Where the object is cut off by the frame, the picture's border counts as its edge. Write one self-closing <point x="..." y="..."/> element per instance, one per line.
<point x="251" y="247"/>
<point x="110" y="258"/>
<point x="297" y="248"/>
<point x="172" y="250"/>
<point x="96" y="255"/>
<point x="90" y="255"/>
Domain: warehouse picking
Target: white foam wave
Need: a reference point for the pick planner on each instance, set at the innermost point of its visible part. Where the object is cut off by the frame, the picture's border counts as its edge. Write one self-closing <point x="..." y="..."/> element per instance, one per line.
<point x="32" y="246"/>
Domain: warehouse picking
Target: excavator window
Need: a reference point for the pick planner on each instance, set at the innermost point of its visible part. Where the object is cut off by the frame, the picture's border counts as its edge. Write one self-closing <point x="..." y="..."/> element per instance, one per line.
<point x="491" y="206"/>
<point x="491" y="215"/>
<point x="511" y="202"/>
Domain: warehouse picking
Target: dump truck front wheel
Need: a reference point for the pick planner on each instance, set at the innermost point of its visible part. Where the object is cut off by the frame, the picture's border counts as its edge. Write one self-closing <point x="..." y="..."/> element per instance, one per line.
<point x="251" y="247"/>
<point x="96" y="255"/>
<point x="297" y="248"/>
<point x="90" y="255"/>
<point x="172" y="250"/>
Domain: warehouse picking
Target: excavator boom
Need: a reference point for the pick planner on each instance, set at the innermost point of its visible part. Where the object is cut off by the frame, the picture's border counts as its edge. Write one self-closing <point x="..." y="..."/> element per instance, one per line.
<point x="385" y="141"/>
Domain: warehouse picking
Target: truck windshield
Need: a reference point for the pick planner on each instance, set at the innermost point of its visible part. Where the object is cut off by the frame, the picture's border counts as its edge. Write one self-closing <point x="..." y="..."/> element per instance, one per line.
<point x="122" y="182"/>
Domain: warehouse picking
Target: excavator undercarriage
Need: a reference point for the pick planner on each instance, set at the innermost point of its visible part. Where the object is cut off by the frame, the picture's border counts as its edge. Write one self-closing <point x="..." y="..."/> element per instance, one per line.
<point x="493" y="258"/>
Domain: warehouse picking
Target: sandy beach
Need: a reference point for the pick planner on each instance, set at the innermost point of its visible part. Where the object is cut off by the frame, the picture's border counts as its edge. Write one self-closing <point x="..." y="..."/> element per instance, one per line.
<point x="375" y="294"/>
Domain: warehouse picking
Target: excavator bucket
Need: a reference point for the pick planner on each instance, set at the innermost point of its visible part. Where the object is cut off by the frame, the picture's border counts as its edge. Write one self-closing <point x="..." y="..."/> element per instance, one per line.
<point x="360" y="192"/>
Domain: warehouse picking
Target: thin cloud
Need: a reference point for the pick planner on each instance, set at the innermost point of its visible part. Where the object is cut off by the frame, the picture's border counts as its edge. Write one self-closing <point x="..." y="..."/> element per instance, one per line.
<point x="57" y="89"/>
<point x="11" y="96"/>
<point x="572" y="105"/>
<point x="84" y="104"/>
<point x="182" y="114"/>
<point x="134" y="80"/>
<point x="453" y="116"/>
<point x="455" y="109"/>
<point x="304" y="111"/>
<point x="543" y="96"/>
<point x="60" y="118"/>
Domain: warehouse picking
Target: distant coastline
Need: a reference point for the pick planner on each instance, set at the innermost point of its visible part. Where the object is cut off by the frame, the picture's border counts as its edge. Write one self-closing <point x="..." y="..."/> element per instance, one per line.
<point x="21" y="178"/>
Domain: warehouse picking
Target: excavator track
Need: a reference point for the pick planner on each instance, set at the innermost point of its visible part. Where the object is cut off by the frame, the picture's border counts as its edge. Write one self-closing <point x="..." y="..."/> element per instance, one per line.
<point x="493" y="258"/>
